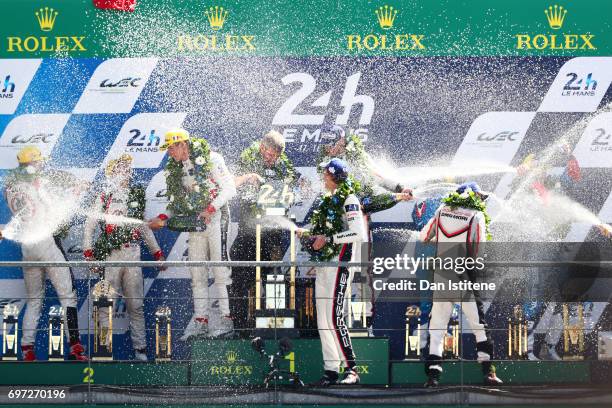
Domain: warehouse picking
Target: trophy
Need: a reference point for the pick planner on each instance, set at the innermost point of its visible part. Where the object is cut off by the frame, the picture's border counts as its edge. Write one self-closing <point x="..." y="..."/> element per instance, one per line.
<point x="307" y="309"/>
<point x="163" y="334"/>
<point x="517" y="334"/>
<point x="357" y="319"/>
<point x="412" y="349"/>
<point x="9" y="341"/>
<point x="103" y="335"/>
<point x="573" y="334"/>
<point x="56" y="333"/>
<point x="451" y="337"/>
<point x="274" y="200"/>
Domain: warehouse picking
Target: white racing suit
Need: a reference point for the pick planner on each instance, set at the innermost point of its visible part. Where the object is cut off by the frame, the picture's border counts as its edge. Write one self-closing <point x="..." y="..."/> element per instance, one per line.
<point x="208" y="245"/>
<point x="331" y="286"/>
<point x="34" y="204"/>
<point x="126" y="281"/>
<point x="457" y="233"/>
<point x="381" y="198"/>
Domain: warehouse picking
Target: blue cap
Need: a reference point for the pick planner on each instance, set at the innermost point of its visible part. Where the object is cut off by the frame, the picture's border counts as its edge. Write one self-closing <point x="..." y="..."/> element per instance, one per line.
<point x="472" y="185"/>
<point x="333" y="132"/>
<point x="337" y="168"/>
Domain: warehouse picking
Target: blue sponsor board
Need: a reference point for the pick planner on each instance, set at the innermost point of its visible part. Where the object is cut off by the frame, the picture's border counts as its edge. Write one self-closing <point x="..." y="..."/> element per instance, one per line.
<point x="414" y="112"/>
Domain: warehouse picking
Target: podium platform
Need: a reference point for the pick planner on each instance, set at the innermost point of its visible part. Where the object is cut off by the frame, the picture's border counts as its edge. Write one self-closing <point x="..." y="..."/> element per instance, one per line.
<point x="234" y="364"/>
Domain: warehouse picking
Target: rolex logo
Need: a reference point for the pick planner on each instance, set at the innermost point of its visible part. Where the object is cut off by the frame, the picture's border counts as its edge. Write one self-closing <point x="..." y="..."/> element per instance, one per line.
<point x="386" y="16"/>
<point x="216" y="42"/>
<point x="231" y="356"/>
<point x="46" y="18"/>
<point x="555" y="16"/>
<point x="216" y="17"/>
<point x="385" y="42"/>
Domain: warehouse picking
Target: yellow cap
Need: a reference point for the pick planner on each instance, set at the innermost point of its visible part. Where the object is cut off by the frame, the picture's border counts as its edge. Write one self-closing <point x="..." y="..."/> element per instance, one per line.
<point x="174" y="136"/>
<point x="529" y="160"/>
<point x="110" y="167"/>
<point x="29" y="154"/>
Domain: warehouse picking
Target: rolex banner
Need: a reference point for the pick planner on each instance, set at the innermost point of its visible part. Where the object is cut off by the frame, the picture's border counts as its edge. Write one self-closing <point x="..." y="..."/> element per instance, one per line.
<point x="82" y="28"/>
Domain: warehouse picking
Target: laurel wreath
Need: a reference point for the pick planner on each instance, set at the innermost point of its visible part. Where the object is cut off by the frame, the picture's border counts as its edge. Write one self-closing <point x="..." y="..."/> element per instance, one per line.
<point x="356" y="157"/>
<point x="190" y="202"/>
<point x="327" y="220"/>
<point x="252" y="162"/>
<point x="117" y="236"/>
<point x="469" y="199"/>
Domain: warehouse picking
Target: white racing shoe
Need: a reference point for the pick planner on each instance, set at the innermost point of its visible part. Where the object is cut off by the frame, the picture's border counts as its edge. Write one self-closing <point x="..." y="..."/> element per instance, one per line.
<point x="224" y="328"/>
<point x="350" y="378"/>
<point x="197" y="327"/>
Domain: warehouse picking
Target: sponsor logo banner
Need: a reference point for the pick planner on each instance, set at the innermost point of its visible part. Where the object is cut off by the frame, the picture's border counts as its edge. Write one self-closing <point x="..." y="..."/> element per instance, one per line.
<point x="41" y="130"/>
<point x="391" y="39"/>
<point x="142" y="135"/>
<point x="45" y="42"/>
<point x="15" y="77"/>
<point x="115" y="85"/>
<point x="156" y="196"/>
<point x="594" y="149"/>
<point x="214" y="40"/>
<point x="556" y="37"/>
<point x="579" y="86"/>
<point x="494" y="137"/>
<point x="302" y="131"/>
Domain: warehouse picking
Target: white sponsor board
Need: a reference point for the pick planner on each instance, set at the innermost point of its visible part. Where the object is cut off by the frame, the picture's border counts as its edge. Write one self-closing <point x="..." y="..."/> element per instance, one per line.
<point x="156" y="196"/>
<point x="141" y="137"/>
<point x="115" y="85"/>
<point x="579" y="86"/>
<point x="15" y="77"/>
<point x="493" y="138"/>
<point x="594" y="149"/>
<point x="40" y="130"/>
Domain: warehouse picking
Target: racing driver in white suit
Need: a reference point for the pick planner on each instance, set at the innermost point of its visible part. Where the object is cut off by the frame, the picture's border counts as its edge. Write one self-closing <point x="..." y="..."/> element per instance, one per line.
<point x="457" y="231"/>
<point x="332" y="282"/>
<point x="119" y="240"/>
<point x="199" y="185"/>
<point x="38" y="198"/>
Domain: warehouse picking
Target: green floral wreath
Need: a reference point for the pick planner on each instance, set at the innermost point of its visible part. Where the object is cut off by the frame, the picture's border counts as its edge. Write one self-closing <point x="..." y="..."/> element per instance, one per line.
<point x="21" y="174"/>
<point x="182" y="201"/>
<point x="471" y="200"/>
<point x="117" y="236"/>
<point x="252" y="162"/>
<point x="327" y="219"/>
<point x="354" y="152"/>
<point x="356" y="157"/>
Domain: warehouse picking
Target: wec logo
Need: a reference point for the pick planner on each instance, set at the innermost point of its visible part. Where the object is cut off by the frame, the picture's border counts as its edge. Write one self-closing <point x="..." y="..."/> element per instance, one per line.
<point x="36" y="138"/>
<point x="122" y="83"/>
<point x="503" y="136"/>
